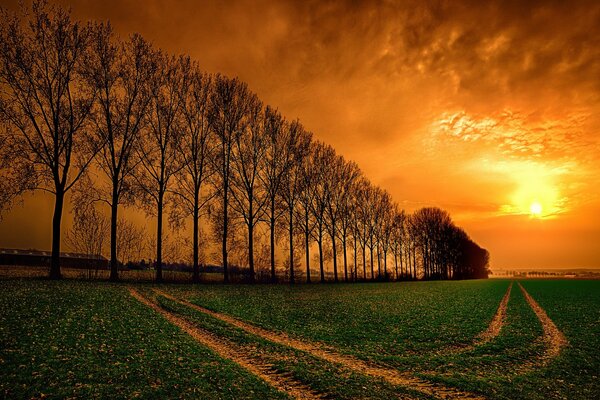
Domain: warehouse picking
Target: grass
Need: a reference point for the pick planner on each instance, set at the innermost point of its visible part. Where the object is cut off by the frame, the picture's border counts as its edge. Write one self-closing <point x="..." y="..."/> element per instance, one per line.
<point x="322" y="377"/>
<point x="84" y="339"/>
<point x="74" y="339"/>
<point x="368" y="320"/>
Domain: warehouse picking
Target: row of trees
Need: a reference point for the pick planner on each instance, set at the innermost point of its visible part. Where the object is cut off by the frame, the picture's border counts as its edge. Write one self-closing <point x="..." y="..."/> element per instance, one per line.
<point x="122" y="123"/>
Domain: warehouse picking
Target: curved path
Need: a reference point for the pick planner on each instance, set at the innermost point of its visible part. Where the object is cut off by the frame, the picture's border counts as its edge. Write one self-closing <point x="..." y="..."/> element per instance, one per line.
<point x="233" y="353"/>
<point x="497" y="322"/>
<point x="554" y="338"/>
<point x="391" y="376"/>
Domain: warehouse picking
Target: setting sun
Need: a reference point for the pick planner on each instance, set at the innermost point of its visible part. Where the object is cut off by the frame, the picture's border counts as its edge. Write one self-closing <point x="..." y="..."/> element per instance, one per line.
<point x="536" y="209"/>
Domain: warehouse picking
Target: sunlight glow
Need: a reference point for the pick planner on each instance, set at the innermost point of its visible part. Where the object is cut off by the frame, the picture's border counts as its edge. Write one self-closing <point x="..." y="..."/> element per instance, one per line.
<point x="536" y="209"/>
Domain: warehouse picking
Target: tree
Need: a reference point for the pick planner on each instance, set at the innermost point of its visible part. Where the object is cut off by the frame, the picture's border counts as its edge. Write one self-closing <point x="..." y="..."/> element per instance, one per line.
<point x="342" y="195"/>
<point x="130" y="239"/>
<point x="230" y="104"/>
<point x="322" y="159"/>
<point x="120" y="73"/>
<point x="306" y="197"/>
<point x="159" y="144"/>
<point x="397" y="240"/>
<point x="291" y="187"/>
<point x="386" y="227"/>
<point x="46" y="103"/>
<point x="362" y="213"/>
<point x="249" y="199"/>
<point x="89" y="232"/>
<point x="195" y="151"/>
<point x="278" y="159"/>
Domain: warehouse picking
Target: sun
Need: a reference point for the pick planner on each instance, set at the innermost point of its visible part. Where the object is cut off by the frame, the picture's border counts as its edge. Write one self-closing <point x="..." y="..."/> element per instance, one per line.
<point x="535" y="209"/>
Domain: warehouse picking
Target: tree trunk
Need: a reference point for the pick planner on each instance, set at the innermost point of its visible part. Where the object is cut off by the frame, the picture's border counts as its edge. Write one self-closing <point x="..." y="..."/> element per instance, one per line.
<point x="378" y="262"/>
<point x="401" y="266"/>
<point x="396" y="264"/>
<point x="385" y="273"/>
<point x="114" y="208"/>
<point x="56" y="221"/>
<point x="272" y="223"/>
<point x="334" y="248"/>
<point x="196" y="267"/>
<point x="345" y="258"/>
<point x="251" y="250"/>
<point x="159" y="238"/>
<point x="372" y="263"/>
<point x="306" y="244"/>
<point x="225" y="223"/>
<point x="355" y="261"/>
<point x="291" y="232"/>
<point x="321" y="255"/>
<point x="364" y="257"/>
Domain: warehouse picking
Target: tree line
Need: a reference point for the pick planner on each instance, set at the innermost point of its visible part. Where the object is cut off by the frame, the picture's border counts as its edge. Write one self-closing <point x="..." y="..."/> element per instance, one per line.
<point x="122" y="123"/>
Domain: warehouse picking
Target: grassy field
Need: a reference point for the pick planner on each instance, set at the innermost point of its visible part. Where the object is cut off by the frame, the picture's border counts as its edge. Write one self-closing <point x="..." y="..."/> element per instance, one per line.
<point x="93" y="339"/>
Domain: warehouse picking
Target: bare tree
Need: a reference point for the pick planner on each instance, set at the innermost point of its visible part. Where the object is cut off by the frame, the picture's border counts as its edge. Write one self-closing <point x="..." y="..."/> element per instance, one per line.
<point x="323" y="158"/>
<point x="229" y="105"/>
<point x="158" y="146"/>
<point x="342" y="195"/>
<point x="292" y="184"/>
<point x="386" y="211"/>
<point x="397" y="239"/>
<point x="278" y="158"/>
<point x="130" y="241"/>
<point x="249" y="198"/>
<point x="306" y="197"/>
<point x="120" y="73"/>
<point x="89" y="232"/>
<point x="46" y="103"/>
<point x="195" y="151"/>
<point x="362" y="218"/>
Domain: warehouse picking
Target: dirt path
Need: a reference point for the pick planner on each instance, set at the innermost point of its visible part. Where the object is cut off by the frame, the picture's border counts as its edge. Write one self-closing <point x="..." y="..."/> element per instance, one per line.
<point x="554" y="338"/>
<point x="228" y="351"/>
<point x="391" y="376"/>
<point x="497" y="322"/>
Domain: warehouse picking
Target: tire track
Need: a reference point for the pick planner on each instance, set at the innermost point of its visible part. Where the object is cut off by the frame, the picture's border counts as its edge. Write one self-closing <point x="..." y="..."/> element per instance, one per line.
<point x="492" y="331"/>
<point x="391" y="376"/>
<point x="495" y="326"/>
<point x="554" y="338"/>
<point x="226" y="350"/>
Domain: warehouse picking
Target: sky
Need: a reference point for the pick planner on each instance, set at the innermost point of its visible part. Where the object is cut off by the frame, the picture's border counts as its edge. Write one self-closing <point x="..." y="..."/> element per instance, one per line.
<point x="489" y="110"/>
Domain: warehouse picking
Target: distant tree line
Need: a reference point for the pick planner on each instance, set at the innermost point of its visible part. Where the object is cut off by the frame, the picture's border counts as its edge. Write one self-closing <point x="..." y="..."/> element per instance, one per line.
<point x="122" y="123"/>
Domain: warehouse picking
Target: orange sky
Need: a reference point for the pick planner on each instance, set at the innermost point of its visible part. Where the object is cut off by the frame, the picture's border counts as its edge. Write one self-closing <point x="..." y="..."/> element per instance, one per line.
<point x="483" y="110"/>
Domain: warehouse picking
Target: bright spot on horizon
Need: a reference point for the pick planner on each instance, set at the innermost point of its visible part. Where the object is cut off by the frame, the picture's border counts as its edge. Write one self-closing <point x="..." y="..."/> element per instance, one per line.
<point x="536" y="209"/>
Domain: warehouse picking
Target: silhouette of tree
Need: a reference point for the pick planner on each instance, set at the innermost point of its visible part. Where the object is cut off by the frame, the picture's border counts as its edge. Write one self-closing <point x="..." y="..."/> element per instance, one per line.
<point x="344" y="175"/>
<point x="120" y="73"/>
<point x="323" y="157"/>
<point x="279" y="156"/>
<point x="46" y="103"/>
<point x="159" y="145"/>
<point x="248" y="161"/>
<point x="196" y="152"/>
<point x="292" y="184"/>
<point x="89" y="231"/>
<point x="306" y="199"/>
<point x="230" y="104"/>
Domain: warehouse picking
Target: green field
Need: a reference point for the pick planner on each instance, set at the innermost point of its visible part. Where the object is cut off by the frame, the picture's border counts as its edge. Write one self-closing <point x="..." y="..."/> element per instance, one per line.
<point x="94" y="340"/>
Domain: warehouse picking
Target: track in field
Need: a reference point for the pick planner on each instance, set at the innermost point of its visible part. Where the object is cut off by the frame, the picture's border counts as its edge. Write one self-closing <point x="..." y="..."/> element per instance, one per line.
<point x="391" y="376"/>
<point x="553" y="338"/>
<point x="233" y="353"/>
<point x="495" y="326"/>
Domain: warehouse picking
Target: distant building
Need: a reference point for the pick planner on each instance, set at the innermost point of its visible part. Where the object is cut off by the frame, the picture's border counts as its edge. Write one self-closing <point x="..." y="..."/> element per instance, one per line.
<point x="42" y="259"/>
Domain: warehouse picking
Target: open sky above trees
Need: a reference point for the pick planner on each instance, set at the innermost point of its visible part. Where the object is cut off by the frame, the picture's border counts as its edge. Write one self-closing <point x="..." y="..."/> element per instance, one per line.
<point x="488" y="111"/>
